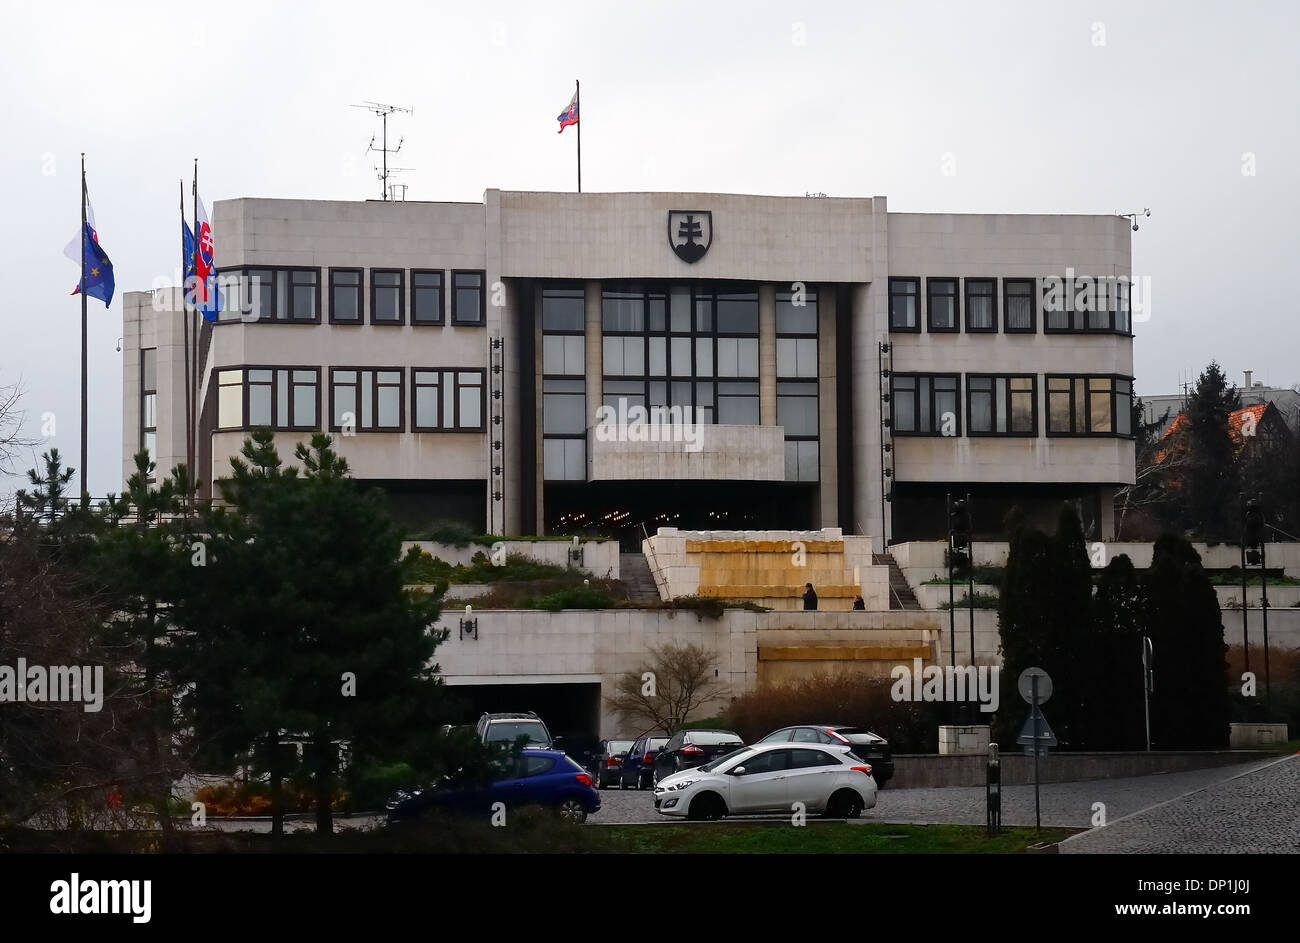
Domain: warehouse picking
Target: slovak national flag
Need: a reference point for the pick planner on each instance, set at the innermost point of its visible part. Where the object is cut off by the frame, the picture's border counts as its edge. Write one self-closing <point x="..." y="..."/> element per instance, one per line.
<point x="569" y="115"/>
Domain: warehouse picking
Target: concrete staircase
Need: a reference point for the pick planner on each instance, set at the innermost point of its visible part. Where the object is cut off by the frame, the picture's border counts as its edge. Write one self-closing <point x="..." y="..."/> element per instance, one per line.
<point x="634" y="572"/>
<point x="900" y="593"/>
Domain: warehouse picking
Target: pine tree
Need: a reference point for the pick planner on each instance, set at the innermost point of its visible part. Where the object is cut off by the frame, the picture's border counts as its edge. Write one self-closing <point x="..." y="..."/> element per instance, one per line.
<point x="1115" y="704"/>
<point x="1212" y="478"/>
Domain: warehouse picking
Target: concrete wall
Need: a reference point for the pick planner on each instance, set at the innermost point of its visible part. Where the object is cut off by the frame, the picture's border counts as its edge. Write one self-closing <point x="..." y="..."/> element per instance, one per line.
<point x="931" y="770"/>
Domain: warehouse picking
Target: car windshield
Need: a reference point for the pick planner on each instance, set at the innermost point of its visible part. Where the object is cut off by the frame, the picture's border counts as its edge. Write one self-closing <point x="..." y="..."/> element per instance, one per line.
<point x="712" y="738"/>
<point x="710" y="767"/>
<point x="510" y="731"/>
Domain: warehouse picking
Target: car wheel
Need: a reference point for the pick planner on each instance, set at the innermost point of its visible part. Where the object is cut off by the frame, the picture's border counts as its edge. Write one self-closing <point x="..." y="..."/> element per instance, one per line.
<point x="571" y="810"/>
<point x="707" y="806"/>
<point x="845" y="804"/>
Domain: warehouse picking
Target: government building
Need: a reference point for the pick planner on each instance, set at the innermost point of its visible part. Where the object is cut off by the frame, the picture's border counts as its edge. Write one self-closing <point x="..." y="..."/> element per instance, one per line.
<point x="600" y="363"/>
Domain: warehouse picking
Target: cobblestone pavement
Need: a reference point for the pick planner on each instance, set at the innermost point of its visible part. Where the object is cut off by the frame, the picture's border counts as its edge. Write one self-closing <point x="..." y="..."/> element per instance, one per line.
<point x="1255" y="812"/>
<point x="1064" y="804"/>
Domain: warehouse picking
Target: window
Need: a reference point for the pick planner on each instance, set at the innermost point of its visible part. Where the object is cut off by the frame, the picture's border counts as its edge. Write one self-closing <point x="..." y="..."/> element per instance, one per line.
<point x="387" y="296"/>
<point x="770" y="761"/>
<point x="796" y="336"/>
<point x="903" y="295"/>
<point x="345" y="296"/>
<point x="1083" y="304"/>
<point x="468" y="301"/>
<point x="737" y="403"/>
<point x="426" y="297"/>
<point x="1089" y="405"/>
<point x="283" y="398"/>
<point x="564" y="386"/>
<point x="563" y="309"/>
<point x="981" y="305"/>
<point x="564" y="430"/>
<point x="925" y="404"/>
<point x="447" y="399"/>
<point x="807" y="759"/>
<point x="1019" y="306"/>
<point x="796" y="412"/>
<point x="941" y="305"/>
<point x="366" y="399"/>
<point x="1001" y="405"/>
<point x="149" y="402"/>
<point x="286" y="295"/>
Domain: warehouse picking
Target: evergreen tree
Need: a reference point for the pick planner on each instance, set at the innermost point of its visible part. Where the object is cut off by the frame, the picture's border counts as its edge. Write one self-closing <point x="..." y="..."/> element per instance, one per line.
<point x="1115" y="702"/>
<point x="1071" y="595"/>
<point x="1211" y="478"/>
<point x="1189" y="707"/>
<point x="302" y="625"/>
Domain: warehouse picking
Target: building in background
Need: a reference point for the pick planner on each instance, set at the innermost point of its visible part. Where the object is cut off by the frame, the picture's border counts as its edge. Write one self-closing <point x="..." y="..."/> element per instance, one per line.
<point x="1253" y="393"/>
<point x="816" y="362"/>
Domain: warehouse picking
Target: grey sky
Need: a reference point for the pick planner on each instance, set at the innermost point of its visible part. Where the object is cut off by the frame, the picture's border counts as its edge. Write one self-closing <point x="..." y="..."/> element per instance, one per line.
<point x="850" y="99"/>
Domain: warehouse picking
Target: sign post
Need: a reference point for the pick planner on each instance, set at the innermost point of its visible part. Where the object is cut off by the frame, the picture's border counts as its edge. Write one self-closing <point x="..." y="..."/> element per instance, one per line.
<point x="1148" y="684"/>
<point x="1035" y="686"/>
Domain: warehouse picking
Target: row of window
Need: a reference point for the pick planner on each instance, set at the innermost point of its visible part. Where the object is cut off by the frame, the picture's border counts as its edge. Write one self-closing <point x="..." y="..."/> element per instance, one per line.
<point x="292" y="295"/>
<point x="361" y="399"/>
<point x="925" y="404"/>
<point x="1102" y="309"/>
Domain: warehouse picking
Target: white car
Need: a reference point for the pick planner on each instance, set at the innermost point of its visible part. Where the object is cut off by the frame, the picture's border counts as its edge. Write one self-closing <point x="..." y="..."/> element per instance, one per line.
<point x="771" y="777"/>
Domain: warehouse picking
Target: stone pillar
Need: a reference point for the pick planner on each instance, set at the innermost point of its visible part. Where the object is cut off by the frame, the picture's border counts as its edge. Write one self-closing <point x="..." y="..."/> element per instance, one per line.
<point x="870" y="327"/>
<point x="767" y="355"/>
<point x="594" y="360"/>
<point x="1106" y="512"/>
<point x="828" y="504"/>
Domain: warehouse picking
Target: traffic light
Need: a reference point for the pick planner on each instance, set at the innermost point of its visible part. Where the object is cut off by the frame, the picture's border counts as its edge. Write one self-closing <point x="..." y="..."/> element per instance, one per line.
<point x="1252" y="531"/>
<point x="959" y="524"/>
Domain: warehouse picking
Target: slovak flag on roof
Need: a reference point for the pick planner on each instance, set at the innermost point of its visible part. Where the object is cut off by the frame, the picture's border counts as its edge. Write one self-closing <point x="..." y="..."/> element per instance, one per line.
<point x="569" y="115"/>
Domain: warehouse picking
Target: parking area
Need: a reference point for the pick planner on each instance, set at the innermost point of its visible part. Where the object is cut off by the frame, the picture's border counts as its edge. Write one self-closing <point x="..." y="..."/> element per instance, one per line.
<point x="1063" y="804"/>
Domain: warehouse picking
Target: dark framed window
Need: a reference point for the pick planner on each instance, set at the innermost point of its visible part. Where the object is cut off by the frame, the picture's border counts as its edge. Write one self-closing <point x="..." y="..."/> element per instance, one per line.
<point x="981" y="305"/>
<point x="469" y="297"/>
<point x="345" y="295"/>
<point x="284" y="295"/>
<point x="447" y="399"/>
<point x="904" y="304"/>
<point x="564" y="429"/>
<point x="1019" y="306"/>
<point x="1086" y="305"/>
<point x="387" y="296"/>
<point x="691" y="348"/>
<point x="149" y="401"/>
<point x="427" y="297"/>
<point x="925" y="404"/>
<point x="1001" y="405"/>
<point x="796" y="336"/>
<point x="943" y="314"/>
<point x="1090" y="405"/>
<point x="367" y="399"/>
<point x="796" y="413"/>
<point x="285" y="398"/>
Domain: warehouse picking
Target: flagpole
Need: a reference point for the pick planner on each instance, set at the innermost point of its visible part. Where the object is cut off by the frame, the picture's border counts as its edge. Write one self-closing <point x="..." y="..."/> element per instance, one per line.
<point x="577" y="97"/>
<point x="85" y="488"/>
<point x="191" y="444"/>
<point x="185" y="322"/>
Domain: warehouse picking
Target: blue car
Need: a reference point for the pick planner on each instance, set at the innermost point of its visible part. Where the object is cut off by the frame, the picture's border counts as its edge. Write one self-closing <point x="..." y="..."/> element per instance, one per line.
<point x="545" y="778"/>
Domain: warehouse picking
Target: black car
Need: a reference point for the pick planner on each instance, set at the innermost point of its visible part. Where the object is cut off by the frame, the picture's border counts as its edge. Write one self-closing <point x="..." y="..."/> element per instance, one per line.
<point x="689" y="748"/>
<point x="606" y="764"/>
<point x="862" y="743"/>
<point x="638" y="765"/>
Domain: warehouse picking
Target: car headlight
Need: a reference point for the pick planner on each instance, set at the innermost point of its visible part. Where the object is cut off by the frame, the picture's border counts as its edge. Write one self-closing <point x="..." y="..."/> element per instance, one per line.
<point x="682" y="785"/>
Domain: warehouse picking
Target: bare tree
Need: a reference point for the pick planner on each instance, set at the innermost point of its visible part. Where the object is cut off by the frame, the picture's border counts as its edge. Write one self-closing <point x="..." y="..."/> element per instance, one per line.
<point x="662" y="694"/>
<point x="12" y="441"/>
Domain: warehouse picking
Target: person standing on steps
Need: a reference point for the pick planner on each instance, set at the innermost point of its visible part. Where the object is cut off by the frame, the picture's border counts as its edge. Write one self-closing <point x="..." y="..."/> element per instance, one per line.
<point x="809" y="597"/>
<point x="859" y="605"/>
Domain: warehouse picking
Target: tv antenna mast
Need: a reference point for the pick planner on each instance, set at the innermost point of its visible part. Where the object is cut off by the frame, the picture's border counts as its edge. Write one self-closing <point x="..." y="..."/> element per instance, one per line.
<point x="383" y="111"/>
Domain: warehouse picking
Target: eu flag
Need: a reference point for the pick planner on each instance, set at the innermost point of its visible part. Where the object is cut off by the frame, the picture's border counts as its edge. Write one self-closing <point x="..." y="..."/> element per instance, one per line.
<point x="99" y="270"/>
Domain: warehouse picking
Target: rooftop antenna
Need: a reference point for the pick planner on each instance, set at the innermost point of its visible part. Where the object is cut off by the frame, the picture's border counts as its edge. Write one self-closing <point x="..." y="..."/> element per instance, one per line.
<point x="383" y="111"/>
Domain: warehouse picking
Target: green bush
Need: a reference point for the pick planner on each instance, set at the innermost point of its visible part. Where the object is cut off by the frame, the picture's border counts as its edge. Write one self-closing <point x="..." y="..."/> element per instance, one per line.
<point x="576" y="597"/>
<point x="982" y="601"/>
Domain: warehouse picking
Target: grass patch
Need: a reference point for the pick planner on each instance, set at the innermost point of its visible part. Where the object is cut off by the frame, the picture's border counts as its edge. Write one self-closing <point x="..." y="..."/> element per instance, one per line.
<point x="982" y="601"/>
<point x="1233" y="578"/>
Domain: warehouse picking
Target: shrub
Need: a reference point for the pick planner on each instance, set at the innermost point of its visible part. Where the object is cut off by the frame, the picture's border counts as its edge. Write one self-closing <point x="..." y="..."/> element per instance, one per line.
<point x="855" y="699"/>
<point x="576" y="597"/>
<point x="982" y="601"/>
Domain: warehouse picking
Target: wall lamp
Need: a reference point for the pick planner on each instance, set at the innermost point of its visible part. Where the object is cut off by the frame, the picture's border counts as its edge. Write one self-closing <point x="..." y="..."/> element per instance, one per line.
<point x="575" y="553"/>
<point x="469" y="625"/>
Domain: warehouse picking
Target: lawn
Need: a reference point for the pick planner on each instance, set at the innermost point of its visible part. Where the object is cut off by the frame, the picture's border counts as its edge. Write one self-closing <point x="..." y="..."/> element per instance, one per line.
<point x="825" y="838"/>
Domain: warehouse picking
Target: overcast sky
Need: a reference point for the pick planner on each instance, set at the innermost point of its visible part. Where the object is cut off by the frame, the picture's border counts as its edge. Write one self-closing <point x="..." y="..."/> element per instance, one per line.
<point x="1039" y="107"/>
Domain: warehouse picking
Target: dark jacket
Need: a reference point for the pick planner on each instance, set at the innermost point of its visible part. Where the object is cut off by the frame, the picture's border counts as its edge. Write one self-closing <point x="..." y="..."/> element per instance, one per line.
<point x="860" y="605"/>
<point x="810" y="599"/>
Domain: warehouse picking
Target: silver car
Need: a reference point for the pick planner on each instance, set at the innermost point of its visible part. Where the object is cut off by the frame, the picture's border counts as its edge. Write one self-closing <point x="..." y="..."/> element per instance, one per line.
<point x="771" y="778"/>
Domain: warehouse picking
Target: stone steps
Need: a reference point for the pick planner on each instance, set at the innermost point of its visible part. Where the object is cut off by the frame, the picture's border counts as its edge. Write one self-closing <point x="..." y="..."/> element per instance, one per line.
<point x="900" y="592"/>
<point x="634" y="573"/>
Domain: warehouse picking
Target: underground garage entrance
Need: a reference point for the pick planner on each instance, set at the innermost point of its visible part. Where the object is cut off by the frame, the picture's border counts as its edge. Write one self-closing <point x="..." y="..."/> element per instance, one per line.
<point x="570" y="710"/>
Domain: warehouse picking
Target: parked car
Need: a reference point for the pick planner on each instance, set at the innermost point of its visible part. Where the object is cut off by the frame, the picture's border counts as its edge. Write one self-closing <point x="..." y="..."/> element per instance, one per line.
<point x="866" y="745"/>
<point x="638" y="765"/>
<point x="533" y="777"/>
<point x="771" y="777"/>
<point x="507" y="728"/>
<point x="690" y="748"/>
<point x="606" y="766"/>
